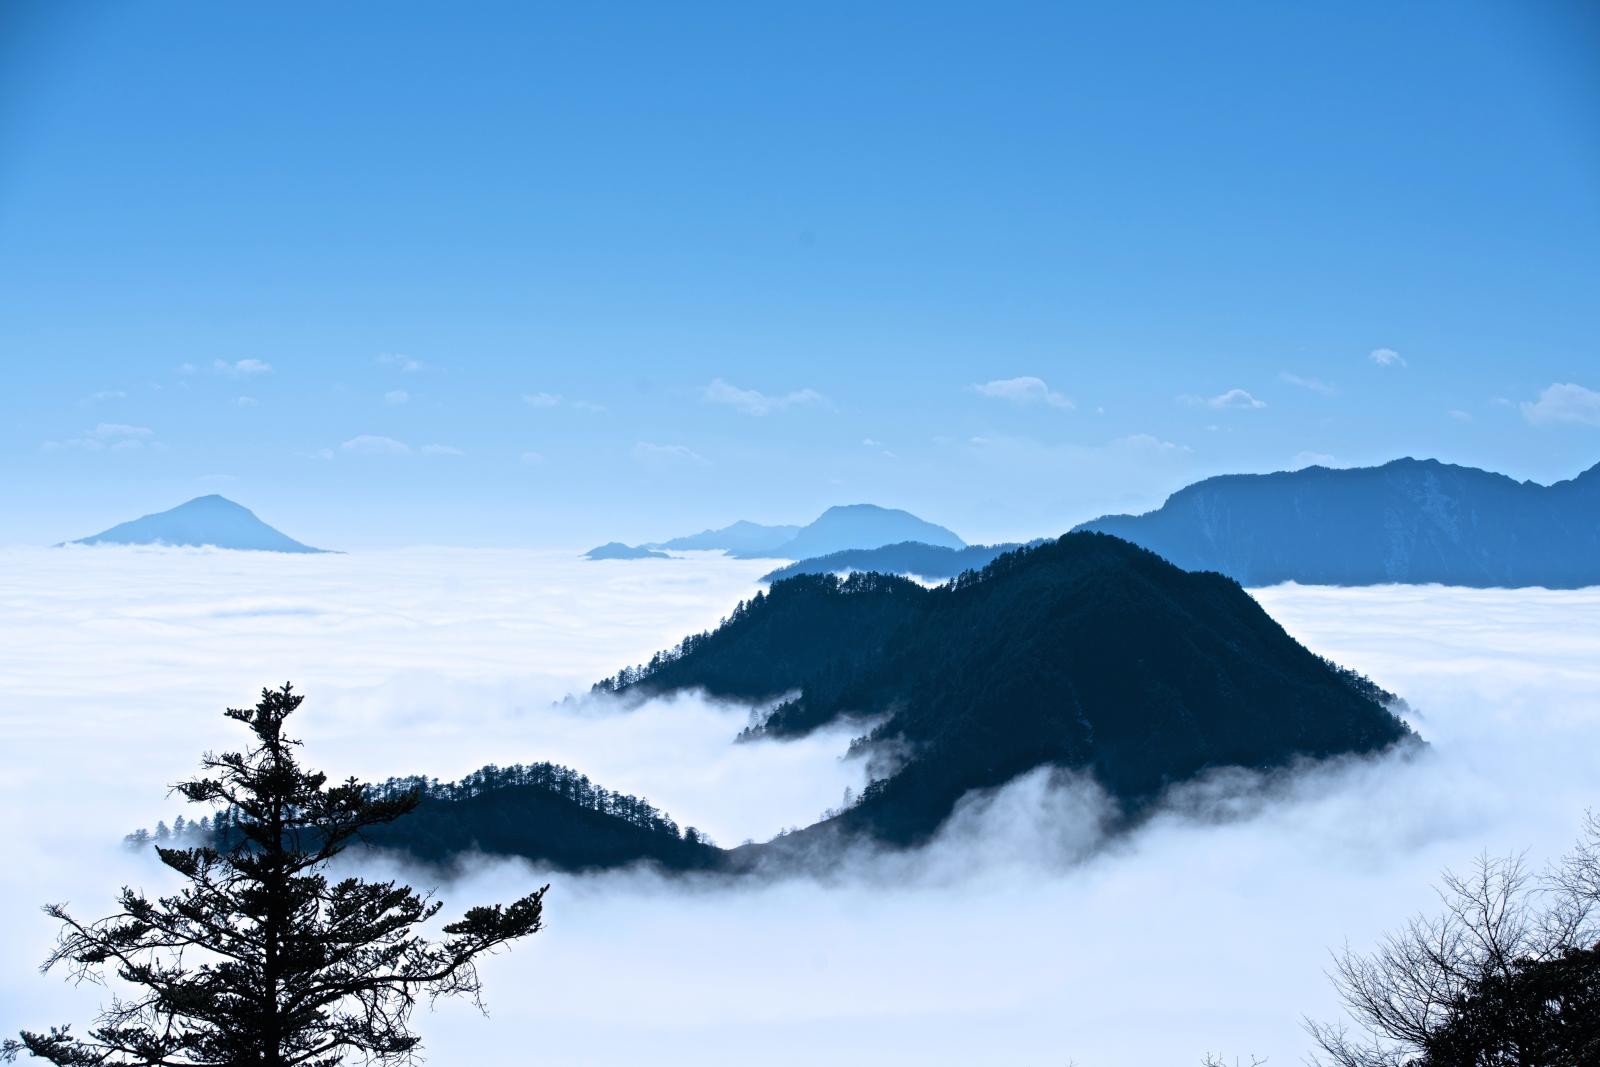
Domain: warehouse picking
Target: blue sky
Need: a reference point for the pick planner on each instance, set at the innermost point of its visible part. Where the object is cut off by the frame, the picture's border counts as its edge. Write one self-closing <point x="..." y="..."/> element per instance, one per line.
<point x="527" y="274"/>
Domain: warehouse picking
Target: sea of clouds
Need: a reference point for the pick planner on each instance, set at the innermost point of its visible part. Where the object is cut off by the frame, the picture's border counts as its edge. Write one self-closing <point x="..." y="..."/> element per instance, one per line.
<point x="1021" y="936"/>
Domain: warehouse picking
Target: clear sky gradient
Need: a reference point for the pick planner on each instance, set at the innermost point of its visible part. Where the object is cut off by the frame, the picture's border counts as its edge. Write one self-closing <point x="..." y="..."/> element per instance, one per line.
<point x="553" y="274"/>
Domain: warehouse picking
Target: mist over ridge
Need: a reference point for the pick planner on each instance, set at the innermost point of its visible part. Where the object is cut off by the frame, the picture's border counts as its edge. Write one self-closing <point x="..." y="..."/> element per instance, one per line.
<point x="427" y="661"/>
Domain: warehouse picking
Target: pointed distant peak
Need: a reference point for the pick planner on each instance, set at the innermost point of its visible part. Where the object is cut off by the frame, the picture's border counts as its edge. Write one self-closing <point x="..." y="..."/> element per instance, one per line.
<point x="210" y="520"/>
<point x="212" y="500"/>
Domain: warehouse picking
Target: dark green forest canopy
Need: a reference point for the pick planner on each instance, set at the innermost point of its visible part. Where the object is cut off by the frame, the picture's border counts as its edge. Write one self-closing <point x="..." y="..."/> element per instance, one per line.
<point x="542" y="812"/>
<point x="1086" y="652"/>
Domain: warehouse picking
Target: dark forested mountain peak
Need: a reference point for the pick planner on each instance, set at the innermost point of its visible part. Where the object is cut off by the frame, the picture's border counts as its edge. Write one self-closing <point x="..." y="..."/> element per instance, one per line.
<point x="207" y="520"/>
<point x="1409" y="520"/>
<point x="1085" y="652"/>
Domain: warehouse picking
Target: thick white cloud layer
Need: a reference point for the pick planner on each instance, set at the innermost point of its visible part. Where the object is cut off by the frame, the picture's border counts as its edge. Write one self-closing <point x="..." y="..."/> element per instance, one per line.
<point x="1020" y="937"/>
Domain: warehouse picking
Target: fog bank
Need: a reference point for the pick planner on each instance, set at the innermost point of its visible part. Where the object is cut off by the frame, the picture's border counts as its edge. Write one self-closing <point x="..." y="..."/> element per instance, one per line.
<point x="1019" y="937"/>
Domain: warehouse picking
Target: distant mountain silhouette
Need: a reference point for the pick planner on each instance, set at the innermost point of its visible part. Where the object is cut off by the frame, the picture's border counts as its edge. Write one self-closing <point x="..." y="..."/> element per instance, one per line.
<point x="851" y="526"/>
<point x="742" y="536"/>
<point x="206" y="520"/>
<point x="1409" y="521"/>
<point x="1086" y="652"/>
<point x="934" y="562"/>
<point x="618" y="550"/>
<point x="858" y="526"/>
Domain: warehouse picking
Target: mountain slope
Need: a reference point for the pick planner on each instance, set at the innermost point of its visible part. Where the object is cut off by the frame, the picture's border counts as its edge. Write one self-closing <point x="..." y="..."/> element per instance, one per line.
<point x="542" y="812"/>
<point x="1413" y="521"/>
<point x="207" y="520"/>
<point x="856" y="526"/>
<point x="934" y="562"/>
<point x="1086" y="652"/>
<point x="741" y="536"/>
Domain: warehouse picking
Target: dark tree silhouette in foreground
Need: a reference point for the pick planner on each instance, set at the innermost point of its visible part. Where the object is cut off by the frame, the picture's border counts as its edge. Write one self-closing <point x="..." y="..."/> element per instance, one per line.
<point x="260" y="960"/>
<point x="1508" y="975"/>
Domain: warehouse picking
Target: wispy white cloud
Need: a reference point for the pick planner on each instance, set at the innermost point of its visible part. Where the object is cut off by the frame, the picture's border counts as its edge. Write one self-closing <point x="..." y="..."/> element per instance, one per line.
<point x="246" y="402"/>
<point x="122" y="430"/>
<point x="1025" y="391"/>
<point x="1313" y="459"/>
<point x="1149" y="444"/>
<point x="1316" y="385"/>
<point x="1232" y="400"/>
<point x="106" y="437"/>
<point x="1563" y="402"/>
<point x="403" y="364"/>
<point x="656" y="455"/>
<point x="396" y="396"/>
<point x="1459" y="415"/>
<point x="368" y="444"/>
<point x="241" y="368"/>
<point x="1386" y="357"/>
<point x="105" y="394"/>
<point x="552" y="400"/>
<point x="441" y="450"/>
<point x="754" y="402"/>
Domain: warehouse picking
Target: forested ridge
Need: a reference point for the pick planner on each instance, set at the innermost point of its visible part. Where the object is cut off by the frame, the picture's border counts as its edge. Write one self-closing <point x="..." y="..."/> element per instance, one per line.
<point x="1086" y="652"/>
<point x="935" y="562"/>
<point x="543" y="812"/>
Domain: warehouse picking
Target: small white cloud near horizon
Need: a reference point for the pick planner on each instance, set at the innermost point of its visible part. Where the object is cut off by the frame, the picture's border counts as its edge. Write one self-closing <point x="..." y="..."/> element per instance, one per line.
<point x="1386" y="357"/>
<point x="1459" y="415"/>
<point x="241" y="368"/>
<point x="245" y="402"/>
<point x="1315" y="385"/>
<point x="871" y="442"/>
<point x="754" y="402"/>
<point x="368" y="444"/>
<point x="396" y="397"/>
<point x="1563" y="403"/>
<point x="403" y="364"/>
<point x="656" y="455"/>
<point x="1232" y="400"/>
<point x="441" y="450"/>
<point x="1024" y="391"/>
<point x="1314" y="459"/>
